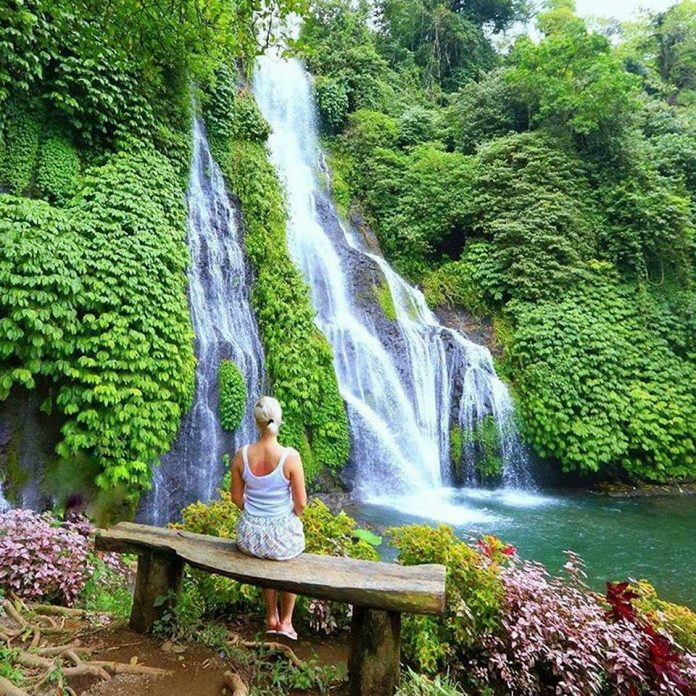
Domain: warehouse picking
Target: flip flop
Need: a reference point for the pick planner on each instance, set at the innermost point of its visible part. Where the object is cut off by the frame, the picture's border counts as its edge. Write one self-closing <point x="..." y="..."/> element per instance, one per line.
<point x="286" y="634"/>
<point x="271" y="631"/>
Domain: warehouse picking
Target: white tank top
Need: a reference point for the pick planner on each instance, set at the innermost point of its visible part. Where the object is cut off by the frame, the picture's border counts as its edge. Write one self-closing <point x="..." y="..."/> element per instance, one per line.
<point x="269" y="495"/>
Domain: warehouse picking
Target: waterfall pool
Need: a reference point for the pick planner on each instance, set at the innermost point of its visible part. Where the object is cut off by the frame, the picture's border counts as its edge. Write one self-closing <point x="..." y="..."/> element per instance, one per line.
<point x="648" y="537"/>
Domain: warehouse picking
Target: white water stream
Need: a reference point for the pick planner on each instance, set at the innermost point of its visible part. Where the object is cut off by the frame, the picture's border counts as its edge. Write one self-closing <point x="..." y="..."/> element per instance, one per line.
<point x="225" y="328"/>
<point x="406" y="383"/>
<point x="4" y="504"/>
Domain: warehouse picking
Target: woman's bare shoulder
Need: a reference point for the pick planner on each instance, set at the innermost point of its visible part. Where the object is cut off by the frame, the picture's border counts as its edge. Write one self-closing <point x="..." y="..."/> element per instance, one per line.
<point x="237" y="460"/>
<point x="293" y="457"/>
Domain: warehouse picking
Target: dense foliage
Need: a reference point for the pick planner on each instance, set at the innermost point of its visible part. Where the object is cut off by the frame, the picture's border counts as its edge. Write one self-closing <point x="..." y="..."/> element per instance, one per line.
<point x="298" y="357"/>
<point x="474" y="596"/>
<point x="95" y="119"/>
<point x="94" y="301"/>
<point x="550" y="186"/>
<point x="510" y="627"/>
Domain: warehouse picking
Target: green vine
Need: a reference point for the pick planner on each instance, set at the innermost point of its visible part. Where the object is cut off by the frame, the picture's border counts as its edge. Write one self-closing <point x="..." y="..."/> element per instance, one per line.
<point x="22" y="130"/>
<point x="232" y="395"/>
<point x="58" y="168"/>
<point x="94" y="299"/>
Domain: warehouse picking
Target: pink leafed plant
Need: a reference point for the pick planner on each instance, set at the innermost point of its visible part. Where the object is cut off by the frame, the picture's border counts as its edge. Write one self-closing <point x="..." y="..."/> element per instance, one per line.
<point x="41" y="558"/>
<point x="558" y="637"/>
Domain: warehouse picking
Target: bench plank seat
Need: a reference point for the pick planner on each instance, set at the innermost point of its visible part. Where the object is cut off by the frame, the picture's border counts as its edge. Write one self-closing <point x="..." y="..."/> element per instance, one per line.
<point x="414" y="589"/>
<point x="378" y="591"/>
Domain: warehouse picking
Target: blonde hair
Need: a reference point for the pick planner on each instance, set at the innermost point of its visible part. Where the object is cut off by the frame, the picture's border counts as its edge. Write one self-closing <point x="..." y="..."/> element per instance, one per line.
<point x="268" y="414"/>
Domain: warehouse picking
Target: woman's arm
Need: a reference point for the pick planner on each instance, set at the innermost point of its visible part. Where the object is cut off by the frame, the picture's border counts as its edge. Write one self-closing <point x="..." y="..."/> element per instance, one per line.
<point x="295" y="472"/>
<point x="237" y="485"/>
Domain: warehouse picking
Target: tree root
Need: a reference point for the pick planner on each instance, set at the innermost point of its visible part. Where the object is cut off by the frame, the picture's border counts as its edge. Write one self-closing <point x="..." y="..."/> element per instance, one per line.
<point x="7" y="688"/>
<point x="235" y="683"/>
<point x="236" y="639"/>
<point x="14" y="615"/>
<point x="58" y="662"/>
<point x="127" y="668"/>
<point x="53" y="610"/>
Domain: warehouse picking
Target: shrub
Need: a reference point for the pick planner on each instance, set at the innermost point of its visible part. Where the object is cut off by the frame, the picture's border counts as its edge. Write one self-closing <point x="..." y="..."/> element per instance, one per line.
<point x="47" y="559"/>
<point x="368" y="130"/>
<point x="249" y="123"/>
<point x="416" y="125"/>
<point x="667" y="669"/>
<point x="532" y="201"/>
<point x="334" y="535"/>
<point x="677" y="620"/>
<point x="599" y="388"/>
<point x="232" y="395"/>
<point x="474" y="595"/>
<point x="555" y="634"/>
<point x="455" y="284"/>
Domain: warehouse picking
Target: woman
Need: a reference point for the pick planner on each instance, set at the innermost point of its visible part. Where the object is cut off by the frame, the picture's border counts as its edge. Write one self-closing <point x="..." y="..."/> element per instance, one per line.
<point x="268" y="486"/>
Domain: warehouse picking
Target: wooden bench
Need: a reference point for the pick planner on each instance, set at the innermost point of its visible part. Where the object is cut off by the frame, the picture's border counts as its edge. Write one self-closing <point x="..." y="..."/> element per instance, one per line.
<point x="379" y="592"/>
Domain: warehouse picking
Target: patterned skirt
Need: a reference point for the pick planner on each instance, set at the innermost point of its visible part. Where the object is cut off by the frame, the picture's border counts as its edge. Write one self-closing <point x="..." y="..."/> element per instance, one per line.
<point x="276" y="538"/>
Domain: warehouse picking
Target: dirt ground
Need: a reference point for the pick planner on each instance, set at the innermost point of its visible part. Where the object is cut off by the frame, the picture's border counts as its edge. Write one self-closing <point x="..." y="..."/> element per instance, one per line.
<point x="196" y="669"/>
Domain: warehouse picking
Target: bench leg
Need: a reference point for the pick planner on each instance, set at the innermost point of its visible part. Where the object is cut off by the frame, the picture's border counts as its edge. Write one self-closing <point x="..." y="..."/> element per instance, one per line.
<point x="159" y="574"/>
<point x="375" y="652"/>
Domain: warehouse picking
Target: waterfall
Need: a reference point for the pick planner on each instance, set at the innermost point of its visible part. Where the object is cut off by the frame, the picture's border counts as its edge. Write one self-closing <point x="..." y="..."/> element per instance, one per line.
<point x="225" y="328"/>
<point x="4" y="504"/>
<point x="404" y="381"/>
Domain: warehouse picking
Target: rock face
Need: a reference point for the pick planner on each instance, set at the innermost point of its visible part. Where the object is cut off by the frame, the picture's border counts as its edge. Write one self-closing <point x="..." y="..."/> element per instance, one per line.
<point x="478" y="330"/>
<point x="28" y="438"/>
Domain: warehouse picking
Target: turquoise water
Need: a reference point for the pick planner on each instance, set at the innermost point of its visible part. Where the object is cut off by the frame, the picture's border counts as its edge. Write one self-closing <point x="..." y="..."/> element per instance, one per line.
<point x="651" y="537"/>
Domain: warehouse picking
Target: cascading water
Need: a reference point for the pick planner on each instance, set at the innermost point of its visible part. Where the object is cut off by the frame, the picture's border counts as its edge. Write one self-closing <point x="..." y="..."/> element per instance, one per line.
<point x="4" y="504"/>
<point x="225" y="328"/>
<point x="407" y="381"/>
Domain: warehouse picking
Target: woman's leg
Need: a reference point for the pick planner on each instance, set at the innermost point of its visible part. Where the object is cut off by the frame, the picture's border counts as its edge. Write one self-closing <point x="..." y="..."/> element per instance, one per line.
<point x="287" y="605"/>
<point x="271" y="599"/>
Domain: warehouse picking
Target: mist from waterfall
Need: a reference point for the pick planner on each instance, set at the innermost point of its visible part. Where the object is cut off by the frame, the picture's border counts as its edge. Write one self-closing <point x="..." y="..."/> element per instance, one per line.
<point x="219" y="283"/>
<point x="404" y="383"/>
